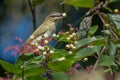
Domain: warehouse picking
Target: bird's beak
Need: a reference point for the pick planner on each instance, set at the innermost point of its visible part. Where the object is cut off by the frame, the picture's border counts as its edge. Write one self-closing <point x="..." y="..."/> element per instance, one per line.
<point x="62" y="15"/>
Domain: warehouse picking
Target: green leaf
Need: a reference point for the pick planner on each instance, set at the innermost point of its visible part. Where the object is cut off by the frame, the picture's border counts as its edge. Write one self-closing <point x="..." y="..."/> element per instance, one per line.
<point x="112" y="49"/>
<point x="29" y="54"/>
<point x="85" y="26"/>
<point x="106" y="32"/>
<point x="34" y="71"/>
<point x="8" y="2"/>
<point x="114" y="0"/>
<point x="98" y="40"/>
<point x="115" y="19"/>
<point x="118" y="45"/>
<point x="32" y="65"/>
<point x="63" y="37"/>
<point x="31" y="60"/>
<point x="108" y="9"/>
<point x="84" y="42"/>
<point x="86" y="52"/>
<point x="80" y="3"/>
<point x="12" y="68"/>
<point x="60" y="76"/>
<point x="63" y="65"/>
<point x="59" y="53"/>
<point x="37" y="2"/>
<point x="36" y="59"/>
<point x="118" y="30"/>
<point x="106" y="60"/>
<point x="92" y="30"/>
<point x="35" y="78"/>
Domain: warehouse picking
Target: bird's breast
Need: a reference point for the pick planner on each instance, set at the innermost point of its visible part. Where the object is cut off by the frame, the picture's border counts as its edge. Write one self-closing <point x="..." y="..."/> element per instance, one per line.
<point x="51" y="30"/>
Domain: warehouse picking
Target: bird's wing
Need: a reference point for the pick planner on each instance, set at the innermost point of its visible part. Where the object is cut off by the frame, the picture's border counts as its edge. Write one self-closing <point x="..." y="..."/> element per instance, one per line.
<point x="39" y="31"/>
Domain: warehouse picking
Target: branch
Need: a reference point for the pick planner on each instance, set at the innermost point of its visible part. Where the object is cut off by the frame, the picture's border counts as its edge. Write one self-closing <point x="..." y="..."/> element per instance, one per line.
<point x="63" y="10"/>
<point x="98" y="58"/>
<point x="22" y="67"/>
<point x="113" y="33"/>
<point x="92" y="10"/>
<point x="99" y="6"/>
<point x="48" y="71"/>
<point x="33" y="14"/>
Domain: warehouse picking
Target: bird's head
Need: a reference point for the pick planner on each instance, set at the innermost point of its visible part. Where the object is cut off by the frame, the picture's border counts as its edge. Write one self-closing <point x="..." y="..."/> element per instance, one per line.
<point x="56" y="16"/>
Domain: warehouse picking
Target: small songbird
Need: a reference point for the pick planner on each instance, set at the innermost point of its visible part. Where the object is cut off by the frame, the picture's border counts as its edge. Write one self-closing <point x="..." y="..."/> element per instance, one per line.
<point x="47" y="28"/>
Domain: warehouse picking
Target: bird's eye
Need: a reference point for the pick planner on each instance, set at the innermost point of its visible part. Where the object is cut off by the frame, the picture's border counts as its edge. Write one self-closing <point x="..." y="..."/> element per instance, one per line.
<point x="52" y="15"/>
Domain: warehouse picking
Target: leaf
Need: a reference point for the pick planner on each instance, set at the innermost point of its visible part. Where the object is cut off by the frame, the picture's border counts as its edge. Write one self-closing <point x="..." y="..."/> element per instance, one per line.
<point x="63" y="65"/>
<point x="8" y="2"/>
<point x="115" y="19"/>
<point x="118" y="45"/>
<point x="92" y="30"/>
<point x="59" y="53"/>
<point x="33" y="71"/>
<point x="80" y="3"/>
<point x="85" y="26"/>
<point x="28" y="60"/>
<point x="86" y="52"/>
<point x="106" y="60"/>
<point x="114" y="0"/>
<point x="116" y="42"/>
<point x="12" y="68"/>
<point x="106" y="32"/>
<point x="36" y="59"/>
<point x="118" y="30"/>
<point x="98" y="40"/>
<point x="37" y="2"/>
<point x="63" y="37"/>
<point x="108" y="9"/>
<point x="60" y="76"/>
<point x="112" y="49"/>
<point x="29" y="54"/>
<point x="84" y="42"/>
<point x="35" y="78"/>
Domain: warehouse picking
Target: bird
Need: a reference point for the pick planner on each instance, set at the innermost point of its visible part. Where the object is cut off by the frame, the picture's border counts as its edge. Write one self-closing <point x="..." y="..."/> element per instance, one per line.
<point x="47" y="28"/>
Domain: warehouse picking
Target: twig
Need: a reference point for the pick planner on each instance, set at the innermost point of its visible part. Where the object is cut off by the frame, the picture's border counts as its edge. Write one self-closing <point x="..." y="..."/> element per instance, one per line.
<point x="32" y="8"/>
<point x="105" y="24"/>
<point x="117" y="62"/>
<point x="99" y="6"/>
<point x="22" y="67"/>
<point x="103" y="49"/>
<point x="95" y="65"/>
<point x="92" y="10"/>
<point x="63" y="10"/>
<point x="48" y="71"/>
<point x="95" y="56"/>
